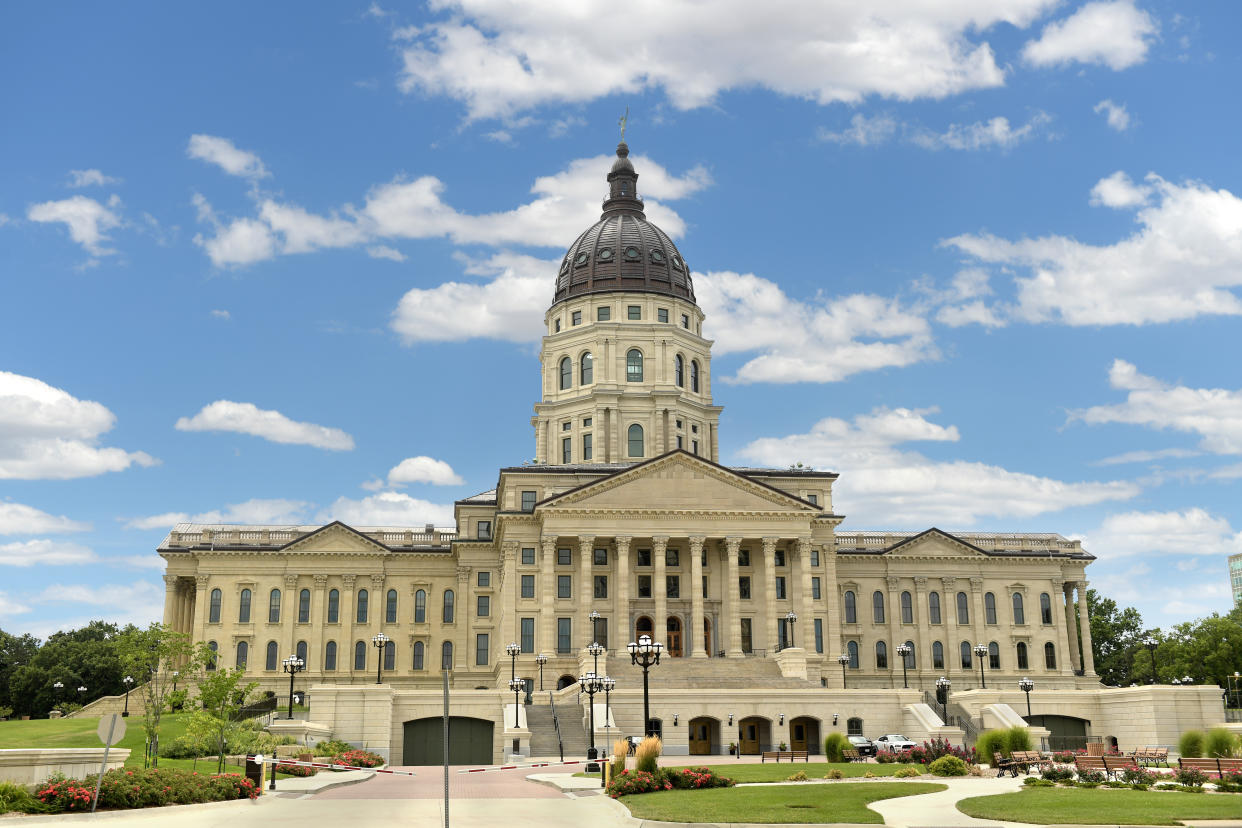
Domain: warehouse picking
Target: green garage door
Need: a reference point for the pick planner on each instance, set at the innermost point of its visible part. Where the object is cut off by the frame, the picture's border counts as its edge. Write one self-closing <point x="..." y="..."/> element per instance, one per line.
<point x="470" y="741"/>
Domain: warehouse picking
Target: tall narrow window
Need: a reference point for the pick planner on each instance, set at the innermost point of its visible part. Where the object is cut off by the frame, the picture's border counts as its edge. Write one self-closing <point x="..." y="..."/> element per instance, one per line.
<point x="989" y="608"/>
<point x="390" y="655"/>
<point x="937" y="656"/>
<point x="564" y="630"/>
<point x="242" y="652"/>
<point x="910" y="657"/>
<point x="1019" y="611"/>
<point x="329" y="656"/>
<point x="419" y="650"/>
<point x="483" y="606"/>
<point x="420" y="607"/>
<point x="243" y="607"/>
<point x="588" y="449"/>
<point x="679" y="371"/>
<point x="907" y="608"/>
<point x="304" y="607"/>
<point x="446" y="655"/>
<point x="1045" y="608"/>
<point x="1050" y="656"/>
<point x="272" y="657"/>
<point x="933" y="607"/>
<point x="211" y="660"/>
<point x="364" y="599"/>
<point x="334" y="606"/>
<point x="360" y="655"/>
<point x="963" y="609"/>
<point x="528" y="505"/>
<point x="851" y="648"/>
<point x="747" y="636"/>
<point x="877" y="607"/>
<point x="587" y="369"/>
<point x="390" y="607"/>
<point x="567" y="449"/>
<point x="694" y="375"/>
<point x="213" y="615"/>
<point x="634" y="366"/>
<point x="881" y="655"/>
<point x="1022" y="660"/>
<point x="300" y="652"/>
<point x="448" y="606"/>
<point x="635" y="436"/>
<point x="273" y="607"/>
<point x="819" y="635"/>
<point x="993" y="656"/>
<point x="851" y="608"/>
<point x="528" y="635"/>
<point x="965" y="653"/>
<point x="567" y="374"/>
<point x="480" y="649"/>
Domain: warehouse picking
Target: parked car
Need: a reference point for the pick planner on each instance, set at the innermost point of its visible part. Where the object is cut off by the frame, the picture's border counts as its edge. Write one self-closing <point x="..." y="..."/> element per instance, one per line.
<point x="863" y="745"/>
<point x="893" y="742"/>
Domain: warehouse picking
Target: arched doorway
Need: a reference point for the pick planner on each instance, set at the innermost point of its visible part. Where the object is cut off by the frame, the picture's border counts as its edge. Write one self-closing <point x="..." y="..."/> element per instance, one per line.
<point x="707" y="636"/>
<point x="754" y="735"/>
<point x="704" y="736"/>
<point x="643" y="626"/>
<point x="565" y="681"/>
<point x="673" y="646"/>
<point x="804" y="734"/>
<point x="470" y="741"/>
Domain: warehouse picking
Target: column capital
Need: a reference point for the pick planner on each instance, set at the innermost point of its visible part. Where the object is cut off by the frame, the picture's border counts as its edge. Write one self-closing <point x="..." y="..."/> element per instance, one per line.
<point x="348" y="581"/>
<point x="976" y="585"/>
<point x="321" y="582"/>
<point x="377" y="580"/>
<point x="463" y="574"/>
<point x="893" y="582"/>
<point x="1082" y="589"/>
<point x="585" y="542"/>
<point x="920" y="584"/>
<point x="200" y="582"/>
<point x="769" y="544"/>
<point x="509" y="547"/>
<point x="732" y="544"/>
<point x="548" y="543"/>
<point x="1057" y="583"/>
<point x="291" y="580"/>
<point x="696" y="544"/>
<point x="660" y="542"/>
<point x="622" y="542"/>
<point x="948" y="583"/>
<point x="804" y="546"/>
<point x="170" y="583"/>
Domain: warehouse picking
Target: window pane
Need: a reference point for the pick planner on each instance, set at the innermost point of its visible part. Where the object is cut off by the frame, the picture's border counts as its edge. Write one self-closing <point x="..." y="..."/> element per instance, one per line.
<point x="601" y="586"/>
<point x="564" y="586"/>
<point x="334" y="606"/>
<point x="989" y="608"/>
<point x="446" y="655"/>
<point x="419" y="651"/>
<point x="304" y="606"/>
<point x="635" y="311"/>
<point x="1022" y="661"/>
<point x="819" y="635"/>
<point x="851" y="608"/>
<point x="747" y="642"/>
<point x="567" y="449"/>
<point x="815" y="591"/>
<point x="1050" y="656"/>
<point x="634" y="366"/>
<point x="877" y="607"/>
<point x="420" y="607"/>
<point x="483" y="606"/>
<point x="563" y="629"/>
<point x="1019" y="611"/>
<point x="528" y="554"/>
<point x="363" y="599"/>
<point x="852" y="649"/>
<point x="672" y="557"/>
<point x="588" y="369"/>
<point x="329" y="656"/>
<point x="933" y="607"/>
<point x="743" y="587"/>
<point x="390" y="608"/>
<point x="448" y="606"/>
<point x="567" y="374"/>
<point x="242" y="652"/>
<point x="599" y="557"/>
<point x="963" y="609"/>
<point x="564" y="557"/>
<point x="662" y="314"/>
<point x="1045" y="608"/>
<point x="780" y="586"/>
<point x="528" y="635"/>
<point x="360" y="655"/>
<point x="937" y="656"/>
<point x="907" y="608"/>
<point x="673" y="585"/>
<point x="881" y="655"/>
<point x="484" y="578"/>
<point x="635" y="439"/>
<point x="679" y="367"/>
<point x="271" y="656"/>
<point x="480" y="649"/>
<point x="273" y="607"/>
<point x="588" y="449"/>
<point x="528" y="586"/>
<point x="213" y="616"/>
<point x="694" y="376"/>
<point x="390" y="655"/>
<point x="528" y="505"/>
<point x="300" y="652"/>
<point x="644" y="586"/>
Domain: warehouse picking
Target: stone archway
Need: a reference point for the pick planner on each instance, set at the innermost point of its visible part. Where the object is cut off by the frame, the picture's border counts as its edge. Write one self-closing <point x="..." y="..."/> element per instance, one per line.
<point x="804" y="734"/>
<point x="644" y="626"/>
<point x="704" y="732"/>
<point x="565" y="681"/>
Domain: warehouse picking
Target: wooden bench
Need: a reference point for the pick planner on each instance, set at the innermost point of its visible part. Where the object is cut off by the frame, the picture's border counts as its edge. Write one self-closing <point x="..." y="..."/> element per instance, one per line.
<point x="1002" y="764"/>
<point x="1030" y="759"/>
<point x="791" y="755"/>
<point x="1116" y="765"/>
<point x="1090" y="763"/>
<point x="1150" y="756"/>
<point x="851" y="756"/>
<point x="1205" y="765"/>
<point x="1229" y="765"/>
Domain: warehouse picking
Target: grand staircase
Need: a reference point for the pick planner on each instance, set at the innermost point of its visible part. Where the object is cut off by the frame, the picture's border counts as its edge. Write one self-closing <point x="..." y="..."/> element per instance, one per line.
<point x="543" y="732"/>
<point x="708" y="674"/>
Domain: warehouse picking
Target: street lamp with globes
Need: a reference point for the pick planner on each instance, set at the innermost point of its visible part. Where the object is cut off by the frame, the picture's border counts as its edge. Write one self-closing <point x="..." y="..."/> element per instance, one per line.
<point x="127" y="681"/>
<point x="942" y="695"/>
<point x="1026" y="686"/>
<point x="791" y="618"/>
<point x="380" y="642"/>
<point x="844" y="661"/>
<point x="981" y="652"/>
<point x="903" y="652"/>
<point x="512" y="649"/>
<point x="541" y="660"/>
<point x="1151" y="644"/>
<point x="645" y="653"/>
<point x="292" y="665"/>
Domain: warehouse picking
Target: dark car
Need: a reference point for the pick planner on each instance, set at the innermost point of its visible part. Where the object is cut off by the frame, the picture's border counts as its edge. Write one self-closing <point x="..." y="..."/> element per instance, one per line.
<point x="863" y="745"/>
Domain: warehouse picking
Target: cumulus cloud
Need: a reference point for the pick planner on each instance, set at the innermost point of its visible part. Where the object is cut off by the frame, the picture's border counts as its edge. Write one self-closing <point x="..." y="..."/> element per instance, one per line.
<point x="388" y="509"/>
<point x="247" y="418"/>
<point x="1191" y="531"/>
<point x="1115" y="34"/>
<point x="502" y="58"/>
<point x="1183" y="261"/>
<point x="423" y="469"/>
<point x="90" y="178"/>
<point x="1115" y="114"/>
<point x="269" y="511"/>
<point x="104" y="595"/>
<point x="87" y="221"/>
<point x="882" y="483"/>
<point x="1119" y="192"/>
<point x="47" y="433"/>
<point x="43" y="552"/>
<point x="863" y="131"/>
<point x="1215" y="414"/>
<point x="993" y="133"/>
<point x="225" y="154"/>
<point x="20" y="519"/>
<point x="10" y="606"/>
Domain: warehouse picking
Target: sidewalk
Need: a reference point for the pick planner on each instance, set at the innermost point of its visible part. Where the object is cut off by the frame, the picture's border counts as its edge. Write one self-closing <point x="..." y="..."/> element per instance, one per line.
<point x="940" y="809"/>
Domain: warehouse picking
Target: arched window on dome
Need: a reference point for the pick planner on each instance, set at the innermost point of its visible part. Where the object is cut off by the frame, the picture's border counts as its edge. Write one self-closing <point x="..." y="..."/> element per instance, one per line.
<point x="634" y="366"/>
<point x="587" y="369"/>
<point x="694" y="375"/>
<point x="635" y="435"/>
<point x="679" y="371"/>
<point x="567" y="373"/>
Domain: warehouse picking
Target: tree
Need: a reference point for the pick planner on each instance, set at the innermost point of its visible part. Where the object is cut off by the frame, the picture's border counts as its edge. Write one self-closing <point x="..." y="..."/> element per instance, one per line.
<point x="222" y="695"/>
<point x="1116" y="637"/>
<point x="157" y="658"/>
<point x="1207" y="650"/>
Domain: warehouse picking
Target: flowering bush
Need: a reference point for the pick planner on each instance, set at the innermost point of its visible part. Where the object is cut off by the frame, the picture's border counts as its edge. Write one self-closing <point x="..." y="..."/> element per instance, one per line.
<point x="295" y="770"/>
<point x="689" y="778"/>
<point x="636" y="782"/>
<point x="359" y="759"/>
<point x="1058" y="774"/>
<point x="1137" y="777"/>
<point x="1064" y="757"/>
<point x="1090" y="777"/>
<point x="65" y="795"/>
<point x="153" y="787"/>
<point x="1191" y="777"/>
<point x="929" y="752"/>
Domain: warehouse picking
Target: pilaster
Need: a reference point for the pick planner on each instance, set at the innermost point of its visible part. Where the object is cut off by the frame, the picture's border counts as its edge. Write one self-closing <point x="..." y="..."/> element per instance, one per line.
<point x="769" y="593"/>
<point x="659" y="588"/>
<point x="697" y="649"/>
<point x="729" y="599"/>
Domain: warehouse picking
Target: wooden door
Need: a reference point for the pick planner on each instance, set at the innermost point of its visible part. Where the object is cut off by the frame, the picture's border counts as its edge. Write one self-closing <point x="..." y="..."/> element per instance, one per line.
<point x="797" y="737"/>
<point x="750" y="737"/>
<point x="707" y="637"/>
<point x="700" y="737"/>
<point x="673" y="646"/>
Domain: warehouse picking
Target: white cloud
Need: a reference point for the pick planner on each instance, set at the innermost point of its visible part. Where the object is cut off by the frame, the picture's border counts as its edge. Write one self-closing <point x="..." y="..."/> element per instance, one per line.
<point x="10" y="607"/>
<point x="500" y="136"/>
<point x="863" y="131"/>
<point x="1181" y="262"/>
<point x="225" y="155"/>
<point x="138" y="593"/>
<point x="20" y="519"/>
<point x="247" y="418"/>
<point x="151" y="561"/>
<point x="1188" y="532"/>
<point x="1117" y="116"/>
<point x="423" y="469"/>
<point x="90" y="178"/>
<point x="1146" y="456"/>
<point x="221" y="314"/>
<point x="500" y="58"/>
<point x="270" y="511"/>
<point x="971" y="313"/>
<point x="87" y="221"/>
<point x="46" y="433"/>
<point x="381" y="251"/>
<point x="883" y="484"/>
<point x="993" y="133"/>
<point x="388" y="509"/>
<point x="1119" y="192"/>
<point x="1215" y="414"/>
<point x="1115" y="34"/>
<point x="42" y="552"/>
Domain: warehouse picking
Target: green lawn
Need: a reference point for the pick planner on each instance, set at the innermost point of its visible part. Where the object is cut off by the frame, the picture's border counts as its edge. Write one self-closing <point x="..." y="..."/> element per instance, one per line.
<point x="53" y="733"/>
<point x="774" y="772"/>
<point x="1101" y="806"/>
<point x="784" y="803"/>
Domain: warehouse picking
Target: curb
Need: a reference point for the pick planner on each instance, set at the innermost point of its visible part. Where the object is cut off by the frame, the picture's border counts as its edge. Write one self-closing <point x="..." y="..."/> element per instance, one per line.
<point x="127" y="813"/>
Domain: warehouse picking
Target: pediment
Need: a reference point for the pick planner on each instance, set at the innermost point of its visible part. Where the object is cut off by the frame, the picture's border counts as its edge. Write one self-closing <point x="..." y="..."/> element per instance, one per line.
<point x="935" y="543"/>
<point x="676" y="482"/>
<point x="336" y="538"/>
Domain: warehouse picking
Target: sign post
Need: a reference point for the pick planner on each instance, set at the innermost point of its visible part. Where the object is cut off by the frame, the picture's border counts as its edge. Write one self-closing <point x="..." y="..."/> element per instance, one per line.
<point x="111" y="730"/>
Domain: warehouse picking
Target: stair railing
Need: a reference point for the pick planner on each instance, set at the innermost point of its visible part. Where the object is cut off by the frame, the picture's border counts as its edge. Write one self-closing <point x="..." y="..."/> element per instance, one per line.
<point x="556" y="723"/>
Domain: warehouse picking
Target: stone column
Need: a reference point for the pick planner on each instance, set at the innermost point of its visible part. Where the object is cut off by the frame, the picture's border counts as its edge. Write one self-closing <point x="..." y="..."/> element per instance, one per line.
<point x="922" y="656"/>
<point x="1088" y="656"/>
<point x="200" y="609"/>
<point x="170" y="600"/>
<point x="508" y="592"/>
<point x="659" y="589"/>
<point x="463" y="650"/>
<point x="976" y="593"/>
<point x="349" y="611"/>
<point x="1062" y="635"/>
<point x="289" y="615"/>
<point x="586" y="593"/>
<point x="614" y="435"/>
<point x="547" y="594"/>
<point x="894" y="625"/>
<point x="729" y="600"/>
<point x="621" y="594"/>
<point x="832" y="598"/>
<point x="697" y="649"/>
<point x="804" y="604"/>
<point x="769" y="593"/>
<point x="1071" y="623"/>
<point x="948" y="609"/>
<point x="314" y="648"/>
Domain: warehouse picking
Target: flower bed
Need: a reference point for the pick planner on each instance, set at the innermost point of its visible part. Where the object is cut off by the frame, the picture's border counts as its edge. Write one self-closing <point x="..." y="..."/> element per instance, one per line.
<point x="929" y="752"/>
<point x="149" y="788"/>
<point x="295" y="770"/>
<point x="636" y="782"/>
<point x="359" y="758"/>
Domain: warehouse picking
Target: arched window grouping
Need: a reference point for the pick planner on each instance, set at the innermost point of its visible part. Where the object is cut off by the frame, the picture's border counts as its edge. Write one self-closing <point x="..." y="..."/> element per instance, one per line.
<point x="851" y="607"/>
<point x="363" y="608"/>
<point x="273" y="607"/>
<point x="635" y="438"/>
<point x="304" y="607"/>
<point x="213" y="614"/>
<point x="634" y="365"/>
<point x="334" y="606"/>
<point x="567" y="373"/>
<point x="587" y="368"/>
<point x="420" y="607"/>
<point x="243" y="607"/>
<point x="1019" y="612"/>
<point x="448" y="607"/>
<point x="390" y="607"/>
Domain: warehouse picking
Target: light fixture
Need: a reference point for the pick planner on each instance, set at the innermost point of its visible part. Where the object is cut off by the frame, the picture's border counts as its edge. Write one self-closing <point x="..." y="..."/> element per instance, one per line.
<point x="834" y="719"/>
<point x="674" y="720"/>
<point x="730" y="718"/>
<point x="782" y="718"/>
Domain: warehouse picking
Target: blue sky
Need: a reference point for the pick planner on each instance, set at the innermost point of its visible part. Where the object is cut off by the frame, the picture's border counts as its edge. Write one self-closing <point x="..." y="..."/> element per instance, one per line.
<point x="279" y="263"/>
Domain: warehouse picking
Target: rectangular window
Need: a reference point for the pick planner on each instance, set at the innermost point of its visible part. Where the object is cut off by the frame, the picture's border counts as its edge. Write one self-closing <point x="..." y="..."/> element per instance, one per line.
<point x="480" y="649"/>
<point x="644" y="586"/>
<point x="812" y="498"/>
<point x="600" y="557"/>
<point x="528" y="505"/>
<point x="564" y="586"/>
<point x="662" y="314"/>
<point x="635" y="311"/>
<point x="528" y="586"/>
<point x="780" y="557"/>
<point x="694" y="447"/>
<point x="671" y="557"/>
<point x="485" y="578"/>
<point x="485" y="530"/>
<point x="558" y="326"/>
<point x="601" y="631"/>
<point x="819" y="635"/>
<point x="588" y="449"/>
<point x="705" y="592"/>
<point x="528" y="556"/>
<point x="685" y="321"/>
<point x="743" y="587"/>
<point x="576" y="318"/>
<point x="815" y="588"/>
<point x="483" y="606"/>
<point x="780" y="586"/>
<point x="601" y="586"/>
<point x="586" y="422"/>
<point x="603" y="314"/>
<point x="743" y="557"/>
<point x="814" y="557"/>
<point x="679" y="441"/>
<point x="528" y="635"/>
<point x="782" y="634"/>
<point x="564" y="557"/>
<point x="564" y="629"/>
<point x="567" y="425"/>
<point x="747" y="643"/>
<point x="643" y="558"/>
<point x="672" y="583"/>
<point x="567" y="450"/>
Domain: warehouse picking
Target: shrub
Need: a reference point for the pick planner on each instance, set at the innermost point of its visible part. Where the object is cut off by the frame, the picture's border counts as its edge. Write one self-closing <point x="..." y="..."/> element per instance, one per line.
<point x="14" y="797"/>
<point x="1036" y="782"/>
<point x="1220" y="742"/>
<point x="1017" y="738"/>
<point x="1090" y="778"/>
<point x="692" y="778"/>
<point x="834" y="773"/>
<point x="1065" y="757"/>
<point x="868" y="775"/>
<point x="332" y="747"/>
<point x="295" y="770"/>
<point x="834" y="744"/>
<point x="620" y="748"/>
<point x="636" y="782"/>
<point x="988" y="743"/>
<point x="906" y="773"/>
<point x="183" y="747"/>
<point x="800" y="776"/>
<point x="153" y="787"/>
<point x="948" y="766"/>
<point x="647" y="753"/>
<point x="1190" y="745"/>
<point x="931" y="751"/>
<point x="359" y="758"/>
<point x="1054" y="774"/>
<point x="1191" y="777"/>
<point x="1138" y="777"/>
<point x="61" y="794"/>
<point x="885" y="757"/>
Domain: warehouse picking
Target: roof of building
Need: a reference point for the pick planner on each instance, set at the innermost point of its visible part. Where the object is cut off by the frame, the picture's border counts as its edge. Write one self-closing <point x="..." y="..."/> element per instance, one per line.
<point x="623" y="251"/>
<point x="993" y="544"/>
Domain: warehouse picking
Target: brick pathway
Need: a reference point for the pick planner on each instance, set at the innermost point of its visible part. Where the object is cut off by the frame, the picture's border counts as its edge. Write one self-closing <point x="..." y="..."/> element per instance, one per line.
<point x="429" y="784"/>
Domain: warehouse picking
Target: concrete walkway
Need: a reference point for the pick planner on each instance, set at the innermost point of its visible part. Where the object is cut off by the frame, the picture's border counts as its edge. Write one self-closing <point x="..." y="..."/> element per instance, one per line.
<point x="940" y="809"/>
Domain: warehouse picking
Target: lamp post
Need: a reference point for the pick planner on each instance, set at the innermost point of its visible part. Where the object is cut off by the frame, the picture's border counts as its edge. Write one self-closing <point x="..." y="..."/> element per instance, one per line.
<point x="1026" y="686"/>
<point x="82" y="694"/>
<point x="1151" y="644"/>
<point x="981" y="652"/>
<point x="608" y="683"/>
<point x="56" y="688"/>
<point x="541" y="660"/>
<point x="903" y="652"/>
<point x="128" y="680"/>
<point x="292" y="665"/>
<point x="942" y="695"/>
<point x="593" y="618"/>
<point x="596" y="650"/>
<point x="645" y="653"/>
<point x="843" y="660"/>
<point x="512" y="649"/>
<point x="379" y="641"/>
<point x="791" y="618"/>
<point x="590" y="684"/>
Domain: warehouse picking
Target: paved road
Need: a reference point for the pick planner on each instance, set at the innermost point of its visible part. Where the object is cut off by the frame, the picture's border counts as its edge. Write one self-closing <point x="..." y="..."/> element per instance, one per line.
<point x="428" y="783"/>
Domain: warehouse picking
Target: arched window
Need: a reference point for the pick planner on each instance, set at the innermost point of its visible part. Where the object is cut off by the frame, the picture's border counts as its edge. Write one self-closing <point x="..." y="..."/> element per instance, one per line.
<point x="635" y="435"/>
<point x="420" y="607"/>
<point x="851" y="608"/>
<point x="211" y="660"/>
<point x="329" y="656"/>
<point x="634" y="365"/>
<point x="334" y="606"/>
<point x="448" y="606"/>
<point x="360" y="655"/>
<point x="390" y="655"/>
<point x="418" y="655"/>
<point x="910" y="659"/>
<point x="877" y="607"/>
<point x="907" y="608"/>
<point x="694" y="375"/>
<point x="213" y="614"/>
<point x="933" y="607"/>
<point x="587" y="368"/>
<point x="1019" y="612"/>
<point x="567" y="373"/>
<point x="1022" y="660"/>
<point x="273" y="607"/>
<point x="989" y="608"/>
<point x="363" y="601"/>
<point x="304" y="607"/>
<point x="965" y="651"/>
<point x="679" y="371"/>
<point x="390" y="607"/>
<point x="300" y="651"/>
<point x="1050" y="656"/>
<point x="851" y="647"/>
<point x="937" y="656"/>
<point x="243" y="607"/>
<point x="446" y="655"/>
<point x="993" y="656"/>
<point x="963" y="610"/>
<point x="272" y="656"/>
<point x="243" y="650"/>
<point x="1045" y="608"/>
<point x="881" y="655"/>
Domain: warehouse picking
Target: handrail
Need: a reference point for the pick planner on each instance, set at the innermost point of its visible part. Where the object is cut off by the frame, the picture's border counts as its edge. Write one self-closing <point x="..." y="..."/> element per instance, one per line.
<point x="956" y="715"/>
<point x="556" y="723"/>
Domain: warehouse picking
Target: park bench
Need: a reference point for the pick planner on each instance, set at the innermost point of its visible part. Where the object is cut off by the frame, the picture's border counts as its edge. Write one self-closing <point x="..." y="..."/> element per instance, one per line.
<point x="1114" y="765"/>
<point x="791" y="755"/>
<point x="1205" y="765"/>
<point x="1229" y="765"/>
<point x="1150" y="756"/>
<point x="1030" y="759"/>
<point x="1002" y="764"/>
<point x="1090" y="763"/>
<point x="851" y="756"/>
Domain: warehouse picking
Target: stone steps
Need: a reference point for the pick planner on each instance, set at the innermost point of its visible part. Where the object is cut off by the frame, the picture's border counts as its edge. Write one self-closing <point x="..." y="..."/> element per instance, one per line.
<point x="543" y="731"/>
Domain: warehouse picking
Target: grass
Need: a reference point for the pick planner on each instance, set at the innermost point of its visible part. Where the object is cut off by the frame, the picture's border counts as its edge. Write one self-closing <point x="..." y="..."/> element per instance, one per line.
<point x="779" y="772"/>
<point x="1102" y="806"/>
<point x="784" y="804"/>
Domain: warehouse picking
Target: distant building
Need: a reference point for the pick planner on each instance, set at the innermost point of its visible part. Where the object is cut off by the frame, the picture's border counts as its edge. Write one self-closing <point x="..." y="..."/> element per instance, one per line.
<point x="1235" y="578"/>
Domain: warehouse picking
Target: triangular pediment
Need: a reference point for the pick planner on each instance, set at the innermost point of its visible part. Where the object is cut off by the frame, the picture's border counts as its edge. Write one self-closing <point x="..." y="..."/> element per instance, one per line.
<point x="935" y="543"/>
<point x="336" y="538"/>
<point x="676" y="482"/>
